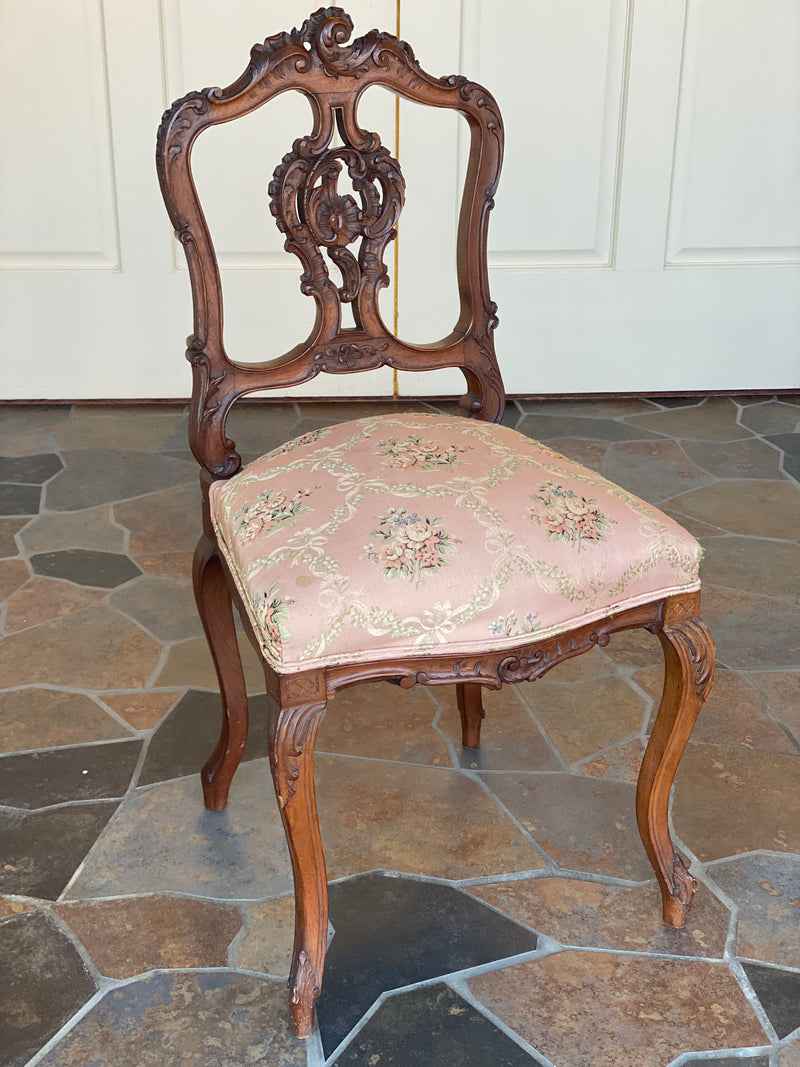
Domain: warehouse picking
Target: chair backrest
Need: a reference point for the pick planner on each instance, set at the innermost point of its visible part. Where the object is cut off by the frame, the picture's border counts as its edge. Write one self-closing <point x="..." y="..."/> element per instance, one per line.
<point x="309" y="209"/>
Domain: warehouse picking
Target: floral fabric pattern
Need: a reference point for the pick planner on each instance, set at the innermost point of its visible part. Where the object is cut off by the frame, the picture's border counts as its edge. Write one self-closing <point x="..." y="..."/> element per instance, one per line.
<point x="509" y="626"/>
<point x="270" y="510"/>
<point x="569" y="517"/>
<point x="410" y="545"/>
<point x="409" y="534"/>
<point x="271" y="615"/>
<point x="298" y="442"/>
<point x="414" y="451"/>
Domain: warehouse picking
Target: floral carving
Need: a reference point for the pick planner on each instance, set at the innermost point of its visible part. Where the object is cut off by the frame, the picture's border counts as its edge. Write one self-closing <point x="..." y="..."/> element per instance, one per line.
<point x="691" y="637"/>
<point x="534" y="662"/>
<point x="411" y="546"/>
<point x="414" y="451"/>
<point x="349" y="356"/>
<point x="309" y="208"/>
<point x="568" y="517"/>
<point x="291" y="734"/>
<point x="335" y="203"/>
<point x="338" y="219"/>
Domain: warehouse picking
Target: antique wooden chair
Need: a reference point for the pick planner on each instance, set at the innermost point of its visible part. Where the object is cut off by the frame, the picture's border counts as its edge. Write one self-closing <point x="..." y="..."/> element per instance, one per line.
<point x="420" y="549"/>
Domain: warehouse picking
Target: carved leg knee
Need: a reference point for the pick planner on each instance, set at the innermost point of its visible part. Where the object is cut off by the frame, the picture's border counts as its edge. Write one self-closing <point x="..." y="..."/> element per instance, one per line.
<point x="689" y="664"/>
<point x="216" y="613"/>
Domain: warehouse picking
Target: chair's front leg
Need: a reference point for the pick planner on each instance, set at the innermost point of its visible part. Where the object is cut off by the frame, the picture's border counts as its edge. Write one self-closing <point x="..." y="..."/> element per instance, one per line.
<point x="216" y="613"/>
<point x="470" y="706"/>
<point x="689" y="667"/>
<point x="293" y="730"/>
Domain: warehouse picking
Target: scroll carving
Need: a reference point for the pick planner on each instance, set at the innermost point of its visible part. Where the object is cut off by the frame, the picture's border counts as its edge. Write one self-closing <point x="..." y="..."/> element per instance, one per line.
<point x="304" y="981"/>
<point x="350" y="357"/>
<point x="326" y="32"/>
<point x="292" y="732"/>
<point x="310" y="209"/>
<point x="524" y="663"/>
<point x="336" y="203"/>
<point x="683" y="885"/>
<point x="486" y="398"/>
<point x="220" y="456"/>
<point x="693" y="639"/>
<point x="532" y="664"/>
<point x="461" y="670"/>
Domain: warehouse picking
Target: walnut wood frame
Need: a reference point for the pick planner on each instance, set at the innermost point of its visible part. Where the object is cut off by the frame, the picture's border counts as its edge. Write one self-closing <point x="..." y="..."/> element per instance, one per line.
<point x="317" y="61"/>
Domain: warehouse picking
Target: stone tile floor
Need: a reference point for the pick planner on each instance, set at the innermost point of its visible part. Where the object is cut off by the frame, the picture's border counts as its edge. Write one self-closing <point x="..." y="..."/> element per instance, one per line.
<point x="490" y="908"/>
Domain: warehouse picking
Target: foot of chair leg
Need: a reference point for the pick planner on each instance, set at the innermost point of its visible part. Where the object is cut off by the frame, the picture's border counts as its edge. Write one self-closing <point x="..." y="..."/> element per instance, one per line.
<point x="676" y="903"/>
<point x="216" y="613"/>
<point x="689" y="663"/>
<point x="304" y="988"/>
<point x="468" y="696"/>
<point x="291" y="749"/>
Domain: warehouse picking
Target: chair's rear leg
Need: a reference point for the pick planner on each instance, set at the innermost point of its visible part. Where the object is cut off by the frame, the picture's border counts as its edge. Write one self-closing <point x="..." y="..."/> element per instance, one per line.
<point x="293" y="731"/>
<point x="689" y="666"/>
<point x="468" y="695"/>
<point x="216" y="612"/>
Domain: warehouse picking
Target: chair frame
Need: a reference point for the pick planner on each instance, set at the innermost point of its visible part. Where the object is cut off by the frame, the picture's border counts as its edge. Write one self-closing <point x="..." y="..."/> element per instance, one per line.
<point x="317" y="61"/>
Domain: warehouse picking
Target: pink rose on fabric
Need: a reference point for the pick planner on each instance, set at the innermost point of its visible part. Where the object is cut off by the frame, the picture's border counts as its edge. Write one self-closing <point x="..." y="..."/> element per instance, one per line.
<point x="569" y="517"/>
<point x="412" y="545"/>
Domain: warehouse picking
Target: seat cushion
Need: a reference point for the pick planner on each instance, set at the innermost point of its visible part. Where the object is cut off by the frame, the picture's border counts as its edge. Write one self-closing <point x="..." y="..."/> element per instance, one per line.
<point x="410" y="534"/>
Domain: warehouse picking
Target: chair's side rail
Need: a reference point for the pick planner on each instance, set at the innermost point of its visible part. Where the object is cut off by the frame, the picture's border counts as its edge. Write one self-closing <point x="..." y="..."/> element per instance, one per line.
<point x="317" y="61"/>
<point x="531" y="660"/>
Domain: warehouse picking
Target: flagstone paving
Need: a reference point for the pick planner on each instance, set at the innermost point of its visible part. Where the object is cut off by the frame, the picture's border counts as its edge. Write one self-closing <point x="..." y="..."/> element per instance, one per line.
<point x="489" y="906"/>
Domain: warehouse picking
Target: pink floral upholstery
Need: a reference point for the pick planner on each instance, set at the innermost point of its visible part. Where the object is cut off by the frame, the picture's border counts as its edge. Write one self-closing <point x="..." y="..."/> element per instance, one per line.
<point x="408" y="534"/>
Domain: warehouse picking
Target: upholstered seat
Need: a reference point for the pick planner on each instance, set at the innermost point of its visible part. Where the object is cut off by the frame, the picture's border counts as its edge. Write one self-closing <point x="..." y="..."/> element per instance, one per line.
<point x="400" y="535"/>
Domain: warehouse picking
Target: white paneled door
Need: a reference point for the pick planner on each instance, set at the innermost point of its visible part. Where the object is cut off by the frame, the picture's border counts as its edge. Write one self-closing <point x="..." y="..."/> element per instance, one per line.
<point x="647" y="230"/>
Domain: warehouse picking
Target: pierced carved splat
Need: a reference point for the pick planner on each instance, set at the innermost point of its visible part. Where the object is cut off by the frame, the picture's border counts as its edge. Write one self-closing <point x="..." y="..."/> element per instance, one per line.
<point x="337" y="203"/>
<point x="315" y="214"/>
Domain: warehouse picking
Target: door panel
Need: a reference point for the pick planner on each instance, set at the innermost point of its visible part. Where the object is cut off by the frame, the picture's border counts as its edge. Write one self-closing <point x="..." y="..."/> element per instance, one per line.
<point x="645" y="234"/>
<point x="647" y="229"/>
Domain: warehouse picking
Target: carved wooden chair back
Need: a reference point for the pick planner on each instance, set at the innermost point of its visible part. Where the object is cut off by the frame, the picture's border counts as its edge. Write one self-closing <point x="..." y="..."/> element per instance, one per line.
<point x="321" y="221"/>
<point x="551" y="558"/>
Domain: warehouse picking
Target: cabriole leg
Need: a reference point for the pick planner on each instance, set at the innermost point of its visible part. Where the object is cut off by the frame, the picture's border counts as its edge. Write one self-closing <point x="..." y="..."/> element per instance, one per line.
<point x="689" y="667"/>
<point x="468" y="695"/>
<point x="293" y="731"/>
<point x="216" y="612"/>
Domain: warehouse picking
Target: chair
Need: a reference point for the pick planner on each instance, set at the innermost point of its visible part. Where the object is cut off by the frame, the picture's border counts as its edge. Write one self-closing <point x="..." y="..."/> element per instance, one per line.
<point x="419" y="549"/>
